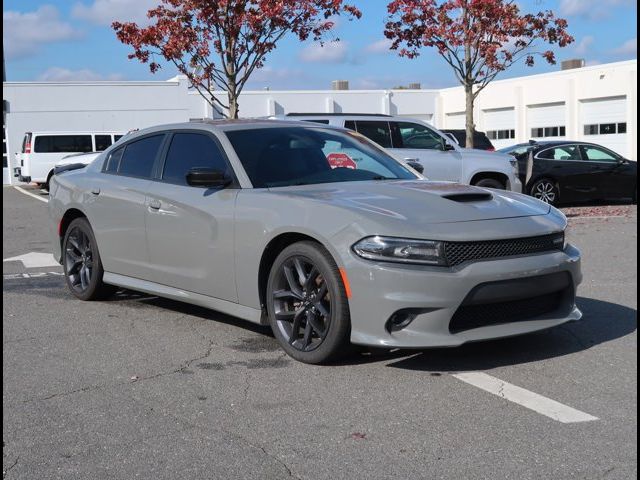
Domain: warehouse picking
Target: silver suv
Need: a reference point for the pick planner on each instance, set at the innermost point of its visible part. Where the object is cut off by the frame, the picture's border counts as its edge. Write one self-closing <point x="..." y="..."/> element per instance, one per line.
<point x="412" y="139"/>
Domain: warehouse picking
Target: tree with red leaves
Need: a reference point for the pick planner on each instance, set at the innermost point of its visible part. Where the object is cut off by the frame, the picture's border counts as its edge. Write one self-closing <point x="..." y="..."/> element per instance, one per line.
<point x="218" y="44"/>
<point x="477" y="38"/>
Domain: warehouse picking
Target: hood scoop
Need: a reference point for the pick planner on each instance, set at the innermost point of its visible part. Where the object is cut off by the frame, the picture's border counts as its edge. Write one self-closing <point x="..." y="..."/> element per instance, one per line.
<point x="469" y="197"/>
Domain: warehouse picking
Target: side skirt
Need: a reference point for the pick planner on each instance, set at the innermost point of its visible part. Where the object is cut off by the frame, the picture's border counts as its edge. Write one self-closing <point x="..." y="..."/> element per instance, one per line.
<point x="223" y="306"/>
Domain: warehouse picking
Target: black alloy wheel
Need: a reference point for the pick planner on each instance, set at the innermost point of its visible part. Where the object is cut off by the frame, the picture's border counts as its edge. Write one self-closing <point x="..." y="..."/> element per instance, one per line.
<point x="81" y="261"/>
<point x="78" y="260"/>
<point x="307" y="304"/>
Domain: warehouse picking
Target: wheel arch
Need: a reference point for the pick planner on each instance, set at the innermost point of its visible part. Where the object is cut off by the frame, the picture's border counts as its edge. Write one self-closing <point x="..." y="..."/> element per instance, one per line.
<point x="69" y="216"/>
<point x="271" y="252"/>
<point x="503" y="178"/>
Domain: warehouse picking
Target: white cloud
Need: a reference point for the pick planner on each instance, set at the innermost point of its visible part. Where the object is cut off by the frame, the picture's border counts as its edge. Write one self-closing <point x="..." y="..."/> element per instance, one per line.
<point x="583" y="46"/>
<point x="104" y="12"/>
<point x="593" y="9"/>
<point x="329" y="52"/>
<point x="59" y="74"/>
<point x="24" y="33"/>
<point x="381" y="46"/>
<point x="628" y="48"/>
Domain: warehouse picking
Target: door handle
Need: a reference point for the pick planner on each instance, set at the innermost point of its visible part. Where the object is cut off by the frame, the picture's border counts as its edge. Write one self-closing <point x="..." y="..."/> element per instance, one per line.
<point x="95" y="191"/>
<point x="155" y="204"/>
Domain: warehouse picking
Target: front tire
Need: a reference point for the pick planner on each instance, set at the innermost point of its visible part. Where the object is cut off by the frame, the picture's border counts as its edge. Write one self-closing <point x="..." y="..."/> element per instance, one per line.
<point x="83" y="270"/>
<point x="546" y="191"/>
<point x="307" y="304"/>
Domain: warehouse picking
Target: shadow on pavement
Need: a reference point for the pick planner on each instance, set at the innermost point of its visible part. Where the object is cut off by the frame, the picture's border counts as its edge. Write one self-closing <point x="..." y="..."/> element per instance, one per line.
<point x="602" y="322"/>
<point x="194" y="310"/>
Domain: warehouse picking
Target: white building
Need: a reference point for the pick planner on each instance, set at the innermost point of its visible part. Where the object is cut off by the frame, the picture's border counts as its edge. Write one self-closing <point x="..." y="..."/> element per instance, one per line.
<point x="596" y="103"/>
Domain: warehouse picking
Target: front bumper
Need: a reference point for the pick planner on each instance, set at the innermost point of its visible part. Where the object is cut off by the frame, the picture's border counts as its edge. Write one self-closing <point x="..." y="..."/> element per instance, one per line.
<point x="382" y="289"/>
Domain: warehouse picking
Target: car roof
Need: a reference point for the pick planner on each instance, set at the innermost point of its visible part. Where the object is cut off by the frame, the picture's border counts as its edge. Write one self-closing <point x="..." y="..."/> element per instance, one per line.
<point x="76" y="132"/>
<point x="227" y="125"/>
<point x="348" y="116"/>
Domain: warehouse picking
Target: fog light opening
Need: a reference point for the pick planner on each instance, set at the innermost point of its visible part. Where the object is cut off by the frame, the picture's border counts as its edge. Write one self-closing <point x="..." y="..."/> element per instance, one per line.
<point x="401" y="319"/>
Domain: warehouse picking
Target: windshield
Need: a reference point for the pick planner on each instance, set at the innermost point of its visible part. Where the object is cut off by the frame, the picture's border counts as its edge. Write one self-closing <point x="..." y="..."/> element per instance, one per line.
<point x="282" y="157"/>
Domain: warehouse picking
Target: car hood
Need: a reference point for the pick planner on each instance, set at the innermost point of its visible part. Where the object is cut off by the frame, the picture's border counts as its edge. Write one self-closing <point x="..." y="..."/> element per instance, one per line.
<point x="485" y="154"/>
<point x="420" y="201"/>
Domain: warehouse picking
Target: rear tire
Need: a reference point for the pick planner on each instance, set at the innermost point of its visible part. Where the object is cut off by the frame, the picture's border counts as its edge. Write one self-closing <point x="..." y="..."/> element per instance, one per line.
<point x="307" y="304"/>
<point x="83" y="270"/>
<point x="545" y="190"/>
<point x="490" y="183"/>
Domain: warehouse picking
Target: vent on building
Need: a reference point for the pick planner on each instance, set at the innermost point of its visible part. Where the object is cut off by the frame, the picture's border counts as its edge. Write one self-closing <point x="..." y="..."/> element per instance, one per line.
<point x="340" y="85"/>
<point x="571" y="64"/>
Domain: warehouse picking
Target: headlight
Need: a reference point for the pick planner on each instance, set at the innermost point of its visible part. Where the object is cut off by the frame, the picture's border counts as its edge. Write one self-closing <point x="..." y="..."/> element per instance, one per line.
<point x="401" y="250"/>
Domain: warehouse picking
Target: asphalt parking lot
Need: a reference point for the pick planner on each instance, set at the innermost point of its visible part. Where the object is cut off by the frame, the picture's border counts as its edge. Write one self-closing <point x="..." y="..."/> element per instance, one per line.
<point x="141" y="387"/>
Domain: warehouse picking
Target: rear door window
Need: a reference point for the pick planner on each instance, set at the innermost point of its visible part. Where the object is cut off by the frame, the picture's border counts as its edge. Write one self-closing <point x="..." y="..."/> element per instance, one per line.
<point x="102" y="142"/>
<point x="139" y="157"/>
<point x="63" y="144"/>
<point x="416" y="136"/>
<point x="566" y="152"/>
<point x="379" y="132"/>
<point x="191" y="150"/>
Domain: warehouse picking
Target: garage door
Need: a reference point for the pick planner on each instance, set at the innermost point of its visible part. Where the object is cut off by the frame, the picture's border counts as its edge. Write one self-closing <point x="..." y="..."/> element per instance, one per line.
<point x="604" y="121"/>
<point x="455" y="121"/>
<point x="547" y="121"/>
<point x="500" y="126"/>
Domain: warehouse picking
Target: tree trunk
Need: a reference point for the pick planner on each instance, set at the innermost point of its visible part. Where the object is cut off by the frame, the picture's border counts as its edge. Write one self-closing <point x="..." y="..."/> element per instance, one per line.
<point x="234" y="108"/>
<point x="468" y="78"/>
<point x="469" y="125"/>
<point x="232" y="96"/>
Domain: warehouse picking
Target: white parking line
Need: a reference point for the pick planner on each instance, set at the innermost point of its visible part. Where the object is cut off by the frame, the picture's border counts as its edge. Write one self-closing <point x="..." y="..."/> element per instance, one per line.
<point x="17" y="276"/>
<point x="37" y="197"/>
<point x="543" y="405"/>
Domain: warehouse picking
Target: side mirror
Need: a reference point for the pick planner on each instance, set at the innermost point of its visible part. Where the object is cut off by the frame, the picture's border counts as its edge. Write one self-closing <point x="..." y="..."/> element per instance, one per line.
<point x="207" y="177"/>
<point x="446" y="146"/>
<point x="415" y="164"/>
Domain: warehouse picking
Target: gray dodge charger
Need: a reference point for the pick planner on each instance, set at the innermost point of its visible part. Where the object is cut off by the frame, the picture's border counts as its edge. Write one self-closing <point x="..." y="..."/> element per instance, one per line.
<point x="315" y="231"/>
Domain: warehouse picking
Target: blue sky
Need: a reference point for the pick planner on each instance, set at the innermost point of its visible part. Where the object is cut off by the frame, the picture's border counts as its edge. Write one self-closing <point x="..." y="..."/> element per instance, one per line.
<point x="71" y="40"/>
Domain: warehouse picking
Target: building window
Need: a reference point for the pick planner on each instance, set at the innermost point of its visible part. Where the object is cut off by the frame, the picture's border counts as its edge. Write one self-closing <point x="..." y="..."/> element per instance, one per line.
<point x="591" y="129"/>
<point x="606" y="128"/>
<point x="501" y="134"/>
<point x="543" y="132"/>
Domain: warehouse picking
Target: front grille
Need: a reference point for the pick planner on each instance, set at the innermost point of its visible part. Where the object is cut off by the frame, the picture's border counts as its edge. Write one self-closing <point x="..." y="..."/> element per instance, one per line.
<point x="474" y="316"/>
<point x="457" y="253"/>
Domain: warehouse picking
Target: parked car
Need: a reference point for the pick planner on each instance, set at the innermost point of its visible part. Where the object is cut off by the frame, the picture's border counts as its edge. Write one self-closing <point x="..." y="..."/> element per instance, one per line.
<point x="480" y="139"/>
<point x="567" y="171"/>
<point x="315" y="231"/>
<point x="41" y="151"/>
<point x="411" y="139"/>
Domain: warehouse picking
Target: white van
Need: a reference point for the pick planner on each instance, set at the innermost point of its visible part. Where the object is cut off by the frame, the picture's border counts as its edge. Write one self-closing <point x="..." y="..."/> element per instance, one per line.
<point x="411" y="139"/>
<point x="41" y="151"/>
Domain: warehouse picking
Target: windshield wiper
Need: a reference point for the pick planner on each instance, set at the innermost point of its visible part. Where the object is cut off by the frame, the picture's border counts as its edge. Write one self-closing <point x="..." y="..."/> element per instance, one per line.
<point x="380" y="177"/>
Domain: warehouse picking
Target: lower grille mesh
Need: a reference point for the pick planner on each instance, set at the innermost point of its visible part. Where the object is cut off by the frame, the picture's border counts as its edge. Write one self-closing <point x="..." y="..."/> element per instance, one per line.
<point x="475" y="316"/>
